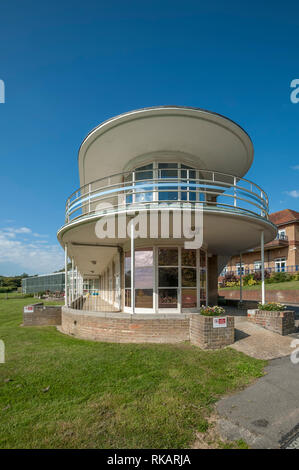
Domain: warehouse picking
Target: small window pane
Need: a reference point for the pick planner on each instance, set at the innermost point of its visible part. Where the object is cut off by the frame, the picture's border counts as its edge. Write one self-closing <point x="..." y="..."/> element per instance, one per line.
<point x="168" y="257"/>
<point x="144" y="298"/>
<point x="168" y="195"/>
<point x="144" y="257"/>
<point x="168" y="277"/>
<point x="188" y="277"/>
<point x="168" y="165"/>
<point x="189" y="298"/>
<point x="188" y="257"/>
<point x="144" y="277"/>
<point x="168" y="298"/>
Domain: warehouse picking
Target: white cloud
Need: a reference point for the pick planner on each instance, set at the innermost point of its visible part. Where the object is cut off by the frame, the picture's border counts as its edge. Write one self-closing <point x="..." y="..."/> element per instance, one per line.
<point x="18" y="230"/>
<point x="32" y="256"/>
<point x="295" y="167"/>
<point x="39" y="235"/>
<point x="294" y="193"/>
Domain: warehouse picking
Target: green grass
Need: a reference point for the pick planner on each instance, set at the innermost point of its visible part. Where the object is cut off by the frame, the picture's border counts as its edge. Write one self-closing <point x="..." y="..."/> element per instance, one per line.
<point x="105" y="395"/>
<point x="288" y="285"/>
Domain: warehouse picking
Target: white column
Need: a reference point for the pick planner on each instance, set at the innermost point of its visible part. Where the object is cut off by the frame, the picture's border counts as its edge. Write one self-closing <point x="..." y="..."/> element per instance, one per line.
<point x="241" y="279"/>
<point x="263" y="267"/>
<point x="133" y="266"/>
<point x="65" y="276"/>
<point x="72" y="297"/>
<point x="77" y="285"/>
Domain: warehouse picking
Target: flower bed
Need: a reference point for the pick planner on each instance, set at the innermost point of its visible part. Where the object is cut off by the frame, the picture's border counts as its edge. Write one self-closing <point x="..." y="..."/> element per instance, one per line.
<point x="212" y="311"/>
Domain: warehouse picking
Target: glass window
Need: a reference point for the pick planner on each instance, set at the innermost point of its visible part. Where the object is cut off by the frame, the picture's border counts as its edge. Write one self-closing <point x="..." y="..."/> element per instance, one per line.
<point x="168" y="170"/>
<point x="189" y="298"/>
<point x="144" y="298"/>
<point x="168" y="257"/>
<point x="257" y="265"/>
<point x="202" y="259"/>
<point x="128" y="269"/>
<point x="144" y="172"/>
<point x="239" y="267"/>
<point x="144" y="270"/>
<point x="188" y="277"/>
<point x="188" y="257"/>
<point x="167" y="194"/>
<point x="168" y="298"/>
<point x="128" y="297"/>
<point x="168" y="277"/>
<point x="282" y="234"/>
<point x="280" y="265"/>
<point x="144" y="277"/>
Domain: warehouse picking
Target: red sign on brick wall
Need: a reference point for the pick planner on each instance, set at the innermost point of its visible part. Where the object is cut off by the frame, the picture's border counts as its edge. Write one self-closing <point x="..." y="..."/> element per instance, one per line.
<point x="219" y="322"/>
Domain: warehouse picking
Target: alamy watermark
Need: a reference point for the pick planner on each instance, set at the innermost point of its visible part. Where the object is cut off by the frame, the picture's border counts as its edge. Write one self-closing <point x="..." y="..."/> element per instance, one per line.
<point x="162" y="221"/>
<point x="2" y="91"/>
<point x="294" y="96"/>
<point x="295" y="354"/>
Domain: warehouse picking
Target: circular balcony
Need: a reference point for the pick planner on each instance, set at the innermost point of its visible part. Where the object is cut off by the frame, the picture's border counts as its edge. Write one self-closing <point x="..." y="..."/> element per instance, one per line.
<point x="164" y="188"/>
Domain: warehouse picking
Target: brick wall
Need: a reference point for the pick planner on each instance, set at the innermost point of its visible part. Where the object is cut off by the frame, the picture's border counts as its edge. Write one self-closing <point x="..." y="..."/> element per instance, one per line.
<point x="282" y="296"/>
<point x="204" y="335"/>
<point x="125" y="328"/>
<point x="42" y="315"/>
<point x="282" y="323"/>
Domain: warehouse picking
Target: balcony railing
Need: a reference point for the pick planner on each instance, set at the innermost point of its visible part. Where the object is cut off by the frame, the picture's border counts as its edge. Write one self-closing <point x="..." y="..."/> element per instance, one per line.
<point x="273" y="269"/>
<point x="140" y="189"/>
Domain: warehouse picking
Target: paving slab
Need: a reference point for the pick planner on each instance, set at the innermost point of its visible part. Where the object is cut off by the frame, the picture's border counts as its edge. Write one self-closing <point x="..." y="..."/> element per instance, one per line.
<point x="260" y="343"/>
<point x="266" y="414"/>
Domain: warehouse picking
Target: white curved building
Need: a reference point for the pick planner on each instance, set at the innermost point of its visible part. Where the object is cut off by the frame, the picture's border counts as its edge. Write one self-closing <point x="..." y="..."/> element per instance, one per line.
<point x="137" y="169"/>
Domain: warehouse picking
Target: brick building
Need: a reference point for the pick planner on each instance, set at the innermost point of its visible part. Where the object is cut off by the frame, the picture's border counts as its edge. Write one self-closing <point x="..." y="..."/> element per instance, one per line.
<point x="281" y="254"/>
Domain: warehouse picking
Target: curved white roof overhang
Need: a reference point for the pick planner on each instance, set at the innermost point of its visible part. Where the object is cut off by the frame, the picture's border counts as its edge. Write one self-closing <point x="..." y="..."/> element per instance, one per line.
<point x="195" y="136"/>
<point x="224" y="233"/>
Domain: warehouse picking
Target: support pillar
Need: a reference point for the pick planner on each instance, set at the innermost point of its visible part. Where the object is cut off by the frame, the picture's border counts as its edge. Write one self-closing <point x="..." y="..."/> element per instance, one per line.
<point x="241" y="279"/>
<point x="132" y="266"/>
<point x="73" y="274"/>
<point x="65" y="276"/>
<point x="263" y="267"/>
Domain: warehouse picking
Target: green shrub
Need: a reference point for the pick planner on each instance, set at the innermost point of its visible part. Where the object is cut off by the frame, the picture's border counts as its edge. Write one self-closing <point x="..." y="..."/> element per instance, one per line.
<point x="272" y="306"/>
<point x="279" y="277"/>
<point x="212" y="311"/>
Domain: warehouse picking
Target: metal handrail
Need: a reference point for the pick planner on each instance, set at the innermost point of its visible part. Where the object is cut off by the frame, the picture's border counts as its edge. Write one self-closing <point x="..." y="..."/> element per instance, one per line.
<point x="85" y="198"/>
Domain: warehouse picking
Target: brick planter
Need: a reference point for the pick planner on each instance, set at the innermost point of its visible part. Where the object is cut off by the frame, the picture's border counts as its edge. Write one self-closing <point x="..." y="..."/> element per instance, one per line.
<point x="206" y="335"/>
<point x="282" y="323"/>
<point x="41" y="315"/>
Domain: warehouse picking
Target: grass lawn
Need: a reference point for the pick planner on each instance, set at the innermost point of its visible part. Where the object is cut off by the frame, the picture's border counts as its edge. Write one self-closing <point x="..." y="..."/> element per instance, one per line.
<point x="105" y="395"/>
<point x="293" y="285"/>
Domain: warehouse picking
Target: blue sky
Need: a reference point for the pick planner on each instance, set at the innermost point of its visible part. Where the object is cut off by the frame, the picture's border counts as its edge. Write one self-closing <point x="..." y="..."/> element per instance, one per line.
<point x="68" y="65"/>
